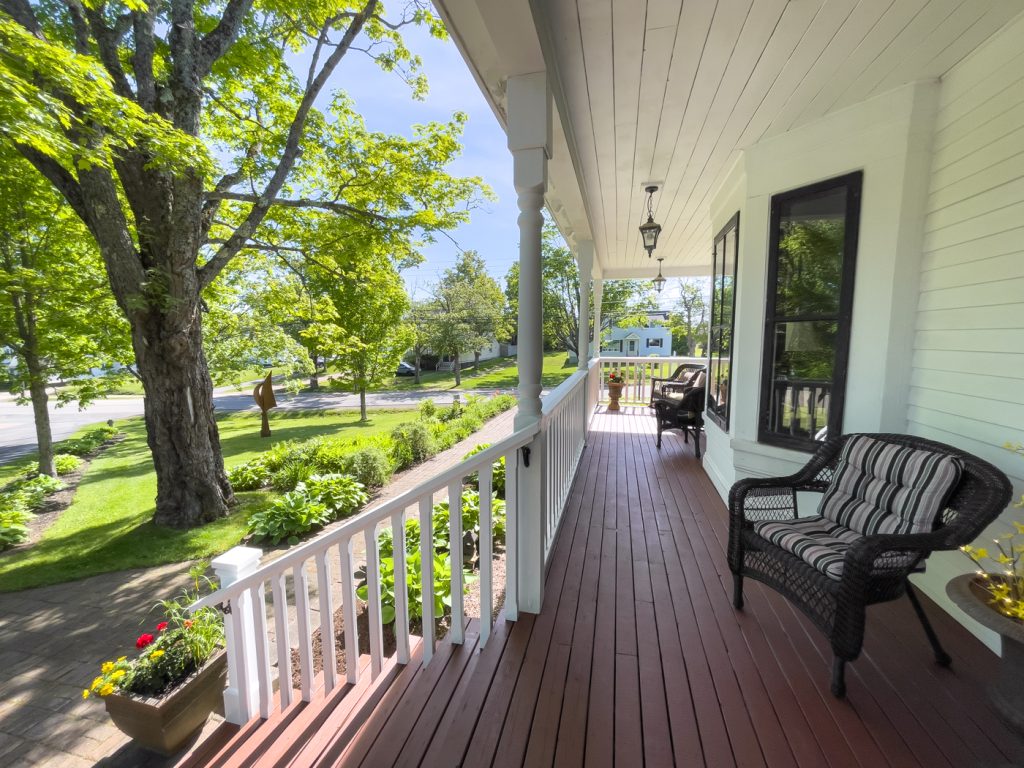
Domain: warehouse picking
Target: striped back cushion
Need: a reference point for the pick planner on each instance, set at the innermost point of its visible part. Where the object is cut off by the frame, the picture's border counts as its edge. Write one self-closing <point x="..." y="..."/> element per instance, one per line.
<point x="880" y="487"/>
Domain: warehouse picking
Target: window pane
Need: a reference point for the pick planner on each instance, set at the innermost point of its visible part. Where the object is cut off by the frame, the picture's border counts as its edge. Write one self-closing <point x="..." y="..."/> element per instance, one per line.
<point x="811" y="235"/>
<point x="807" y="326"/>
<point x="720" y="349"/>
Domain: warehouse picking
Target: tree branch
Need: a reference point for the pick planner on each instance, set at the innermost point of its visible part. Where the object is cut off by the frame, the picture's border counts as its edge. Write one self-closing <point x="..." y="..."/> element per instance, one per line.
<point x="107" y="41"/>
<point x="21" y="12"/>
<point x="57" y="175"/>
<point x="142" y="59"/>
<point x="326" y="205"/>
<point x="314" y="84"/>
<point x="217" y="41"/>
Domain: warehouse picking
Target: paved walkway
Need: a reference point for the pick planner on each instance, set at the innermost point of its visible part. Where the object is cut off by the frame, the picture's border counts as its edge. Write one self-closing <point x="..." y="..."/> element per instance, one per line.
<point x="53" y="639"/>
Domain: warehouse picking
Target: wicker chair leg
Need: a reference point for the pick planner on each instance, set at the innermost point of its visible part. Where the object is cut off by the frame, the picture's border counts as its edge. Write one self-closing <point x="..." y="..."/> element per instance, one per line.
<point x="696" y="442"/>
<point x="838" y="677"/>
<point x="737" y="591"/>
<point x="659" y="437"/>
<point x="942" y="658"/>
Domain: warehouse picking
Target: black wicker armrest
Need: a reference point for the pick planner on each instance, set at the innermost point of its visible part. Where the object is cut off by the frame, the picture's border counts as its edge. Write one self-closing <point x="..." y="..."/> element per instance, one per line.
<point x="775" y="497"/>
<point x="878" y="564"/>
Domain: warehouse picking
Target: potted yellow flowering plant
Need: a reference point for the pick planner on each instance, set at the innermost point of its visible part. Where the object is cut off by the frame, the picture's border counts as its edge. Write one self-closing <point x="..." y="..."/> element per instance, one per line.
<point x="994" y="597"/>
<point x="162" y="696"/>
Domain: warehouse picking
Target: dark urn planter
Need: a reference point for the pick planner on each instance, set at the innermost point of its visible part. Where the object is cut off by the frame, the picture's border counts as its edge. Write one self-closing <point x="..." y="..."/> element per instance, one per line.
<point x="167" y="724"/>
<point x="1007" y="692"/>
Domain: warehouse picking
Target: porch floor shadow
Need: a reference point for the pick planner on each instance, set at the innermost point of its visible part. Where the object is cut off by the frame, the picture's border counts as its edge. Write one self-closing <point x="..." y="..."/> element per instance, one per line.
<point x="638" y="658"/>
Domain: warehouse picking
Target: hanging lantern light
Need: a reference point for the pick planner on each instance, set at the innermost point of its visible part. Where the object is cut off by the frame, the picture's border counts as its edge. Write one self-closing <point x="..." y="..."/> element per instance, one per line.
<point x="659" y="281"/>
<point x="650" y="229"/>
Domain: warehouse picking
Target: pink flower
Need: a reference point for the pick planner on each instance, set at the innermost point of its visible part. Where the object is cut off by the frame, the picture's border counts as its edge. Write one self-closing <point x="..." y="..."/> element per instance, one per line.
<point x="144" y="640"/>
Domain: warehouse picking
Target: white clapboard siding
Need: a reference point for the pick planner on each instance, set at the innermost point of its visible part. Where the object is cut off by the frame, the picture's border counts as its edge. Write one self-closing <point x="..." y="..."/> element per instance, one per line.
<point x="967" y="385"/>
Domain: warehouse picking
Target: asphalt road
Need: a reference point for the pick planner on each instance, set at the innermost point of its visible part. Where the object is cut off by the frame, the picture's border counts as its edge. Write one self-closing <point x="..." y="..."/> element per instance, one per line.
<point x="18" y="436"/>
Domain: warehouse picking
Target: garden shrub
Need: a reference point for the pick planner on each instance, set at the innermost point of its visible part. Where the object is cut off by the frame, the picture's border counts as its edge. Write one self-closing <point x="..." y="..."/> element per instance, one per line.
<point x="66" y="463"/>
<point x="249" y="476"/>
<point x="450" y="412"/>
<point x="289" y="517"/>
<point x="88" y="441"/>
<point x="428" y="409"/>
<point x="330" y="455"/>
<point x="411" y="444"/>
<point x="370" y="466"/>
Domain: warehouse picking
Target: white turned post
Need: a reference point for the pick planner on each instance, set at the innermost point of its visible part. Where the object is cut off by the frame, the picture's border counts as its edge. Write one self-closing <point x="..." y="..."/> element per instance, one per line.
<point x="529" y="140"/>
<point x="585" y="263"/>
<point x="233" y="565"/>
<point x="598" y="290"/>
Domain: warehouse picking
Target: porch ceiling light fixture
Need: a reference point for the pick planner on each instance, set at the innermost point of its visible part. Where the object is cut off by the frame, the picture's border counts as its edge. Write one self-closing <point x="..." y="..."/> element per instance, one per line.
<point x="659" y="281"/>
<point x="650" y="229"/>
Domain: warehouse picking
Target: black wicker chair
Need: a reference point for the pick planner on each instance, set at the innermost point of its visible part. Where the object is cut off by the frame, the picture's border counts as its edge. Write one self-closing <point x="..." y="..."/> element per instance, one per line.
<point x="875" y="567"/>
<point x="661" y="386"/>
<point x="683" y="411"/>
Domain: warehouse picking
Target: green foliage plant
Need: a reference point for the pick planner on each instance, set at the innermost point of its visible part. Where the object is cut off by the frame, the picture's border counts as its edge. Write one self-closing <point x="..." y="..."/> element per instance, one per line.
<point x="371" y="466"/>
<point x="66" y="463"/>
<point x="14" y="518"/>
<point x="343" y="495"/>
<point x="289" y="517"/>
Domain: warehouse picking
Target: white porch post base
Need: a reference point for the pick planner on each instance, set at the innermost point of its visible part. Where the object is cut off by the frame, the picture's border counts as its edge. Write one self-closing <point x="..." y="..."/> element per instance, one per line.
<point x="529" y="140"/>
<point x="233" y="565"/>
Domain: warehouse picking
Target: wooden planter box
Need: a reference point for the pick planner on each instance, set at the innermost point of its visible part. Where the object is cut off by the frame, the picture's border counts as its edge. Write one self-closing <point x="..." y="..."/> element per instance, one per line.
<point x="167" y="724"/>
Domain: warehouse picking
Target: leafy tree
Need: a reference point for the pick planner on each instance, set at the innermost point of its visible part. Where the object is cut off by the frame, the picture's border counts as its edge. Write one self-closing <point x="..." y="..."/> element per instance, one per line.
<point x="57" y="316"/>
<point x="418" y="320"/>
<point x="689" y="324"/>
<point x="468" y="311"/>
<point x="371" y="303"/>
<point x="173" y="129"/>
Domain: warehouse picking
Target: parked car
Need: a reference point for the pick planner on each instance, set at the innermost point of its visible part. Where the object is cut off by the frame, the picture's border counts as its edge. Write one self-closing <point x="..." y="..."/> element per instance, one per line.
<point x="405" y="369"/>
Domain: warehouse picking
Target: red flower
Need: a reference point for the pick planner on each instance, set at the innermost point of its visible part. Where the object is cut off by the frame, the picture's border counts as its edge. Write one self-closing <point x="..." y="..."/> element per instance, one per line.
<point x="144" y="640"/>
<point x="161" y="626"/>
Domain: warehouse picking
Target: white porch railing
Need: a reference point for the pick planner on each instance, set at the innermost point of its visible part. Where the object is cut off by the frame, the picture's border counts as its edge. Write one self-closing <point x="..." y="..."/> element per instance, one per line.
<point x="250" y="669"/>
<point x="638" y="372"/>
<point x="564" y="429"/>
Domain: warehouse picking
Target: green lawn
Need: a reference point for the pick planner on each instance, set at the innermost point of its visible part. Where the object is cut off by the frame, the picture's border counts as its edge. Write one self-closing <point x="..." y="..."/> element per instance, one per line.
<point x="500" y="373"/>
<point x="108" y="526"/>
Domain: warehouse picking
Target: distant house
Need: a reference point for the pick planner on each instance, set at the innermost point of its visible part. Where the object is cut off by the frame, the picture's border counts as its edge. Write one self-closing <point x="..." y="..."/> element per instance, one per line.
<point x="489" y="351"/>
<point x="655" y="341"/>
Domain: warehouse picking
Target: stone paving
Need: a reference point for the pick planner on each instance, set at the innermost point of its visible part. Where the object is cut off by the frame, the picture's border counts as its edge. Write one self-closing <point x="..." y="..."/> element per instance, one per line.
<point x="53" y="639"/>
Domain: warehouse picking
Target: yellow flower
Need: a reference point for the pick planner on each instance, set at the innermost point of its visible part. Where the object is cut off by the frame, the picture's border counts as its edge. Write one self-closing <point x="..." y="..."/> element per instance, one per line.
<point x="117" y="676"/>
<point x="155" y="655"/>
<point x="85" y="694"/>
<point x="97" y="682"/>
<point x="980" y="553"/>
<point x="121" y="658"/>
<point x="108" y="666"/>
<point x="106" y="690"/>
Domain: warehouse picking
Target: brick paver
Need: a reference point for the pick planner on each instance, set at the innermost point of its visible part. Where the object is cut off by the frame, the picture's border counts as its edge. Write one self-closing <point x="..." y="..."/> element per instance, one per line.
<point x="53" y="639"/>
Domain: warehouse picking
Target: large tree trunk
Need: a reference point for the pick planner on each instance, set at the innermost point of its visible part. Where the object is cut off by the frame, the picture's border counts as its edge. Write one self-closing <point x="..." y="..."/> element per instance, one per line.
<point x="458" y="370"/>
<point x="40" y="413"/>
<point x="476" y="360"/>
<point x="192" y="487"/>
<point x="314" y="377"/>
<point x="362" y="404"/>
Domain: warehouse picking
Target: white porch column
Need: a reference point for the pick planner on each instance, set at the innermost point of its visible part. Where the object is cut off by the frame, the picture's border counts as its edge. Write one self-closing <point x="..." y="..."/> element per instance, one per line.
<point x="585" y="264"/>
<point x="529" y="140"/>
<point x="598" y="290"/>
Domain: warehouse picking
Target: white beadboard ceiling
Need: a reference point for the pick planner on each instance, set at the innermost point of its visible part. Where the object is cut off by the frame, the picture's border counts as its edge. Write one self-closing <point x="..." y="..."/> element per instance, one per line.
<point x="672" y="90"/>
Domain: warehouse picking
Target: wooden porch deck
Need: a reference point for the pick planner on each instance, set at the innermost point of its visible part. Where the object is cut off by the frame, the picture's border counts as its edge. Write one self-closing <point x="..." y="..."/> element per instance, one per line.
<point x="638" y="658"/>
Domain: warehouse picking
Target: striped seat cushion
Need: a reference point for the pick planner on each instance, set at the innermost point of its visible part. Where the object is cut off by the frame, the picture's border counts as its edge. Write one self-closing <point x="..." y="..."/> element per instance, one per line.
<point x="820" y="543"/>
<point x="880" y="487"/>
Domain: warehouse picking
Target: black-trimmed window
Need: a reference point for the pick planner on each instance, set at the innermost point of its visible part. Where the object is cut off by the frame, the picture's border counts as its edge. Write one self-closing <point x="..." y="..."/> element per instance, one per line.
<point x="812" y="258"/>
<point x="723" y="305"/>
<point x="654" y="342"/>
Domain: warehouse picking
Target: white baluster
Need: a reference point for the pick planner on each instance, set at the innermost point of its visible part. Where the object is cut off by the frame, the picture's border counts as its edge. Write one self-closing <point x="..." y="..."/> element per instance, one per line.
<point x="486" y="553"/>
<point x="427" y="575"/>
<point x="373" y="603"/>
<point x="348" y="606"/>
<point x="300" y="580"/>
<point x="511" y="533"/>
<point x="323" y="585"/>
<point x="401" y="588"/>
<point x="458" y="630"/>
<point x="266" y="690"/>
<point x="284" y="646"/>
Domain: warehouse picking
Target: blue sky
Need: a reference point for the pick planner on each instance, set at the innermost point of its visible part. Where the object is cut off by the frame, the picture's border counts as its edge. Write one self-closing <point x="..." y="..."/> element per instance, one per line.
<point x="387" y="105"/>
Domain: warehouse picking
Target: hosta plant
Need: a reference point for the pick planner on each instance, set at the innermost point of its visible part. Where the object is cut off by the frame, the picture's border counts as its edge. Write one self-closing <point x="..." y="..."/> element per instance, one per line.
<point x="289" y="517"/>
<point x="66" y="463"/>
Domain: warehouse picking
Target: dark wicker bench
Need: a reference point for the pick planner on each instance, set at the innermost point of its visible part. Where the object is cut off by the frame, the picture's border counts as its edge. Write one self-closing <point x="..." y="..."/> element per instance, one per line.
<point x="867" y="568"/>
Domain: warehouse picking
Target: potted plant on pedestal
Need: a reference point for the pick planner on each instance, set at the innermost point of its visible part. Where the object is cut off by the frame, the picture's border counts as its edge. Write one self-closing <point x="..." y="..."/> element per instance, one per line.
<point x="162" y="697"/>
<point x="616" y="381"/>
<point x="994" y="597"/>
